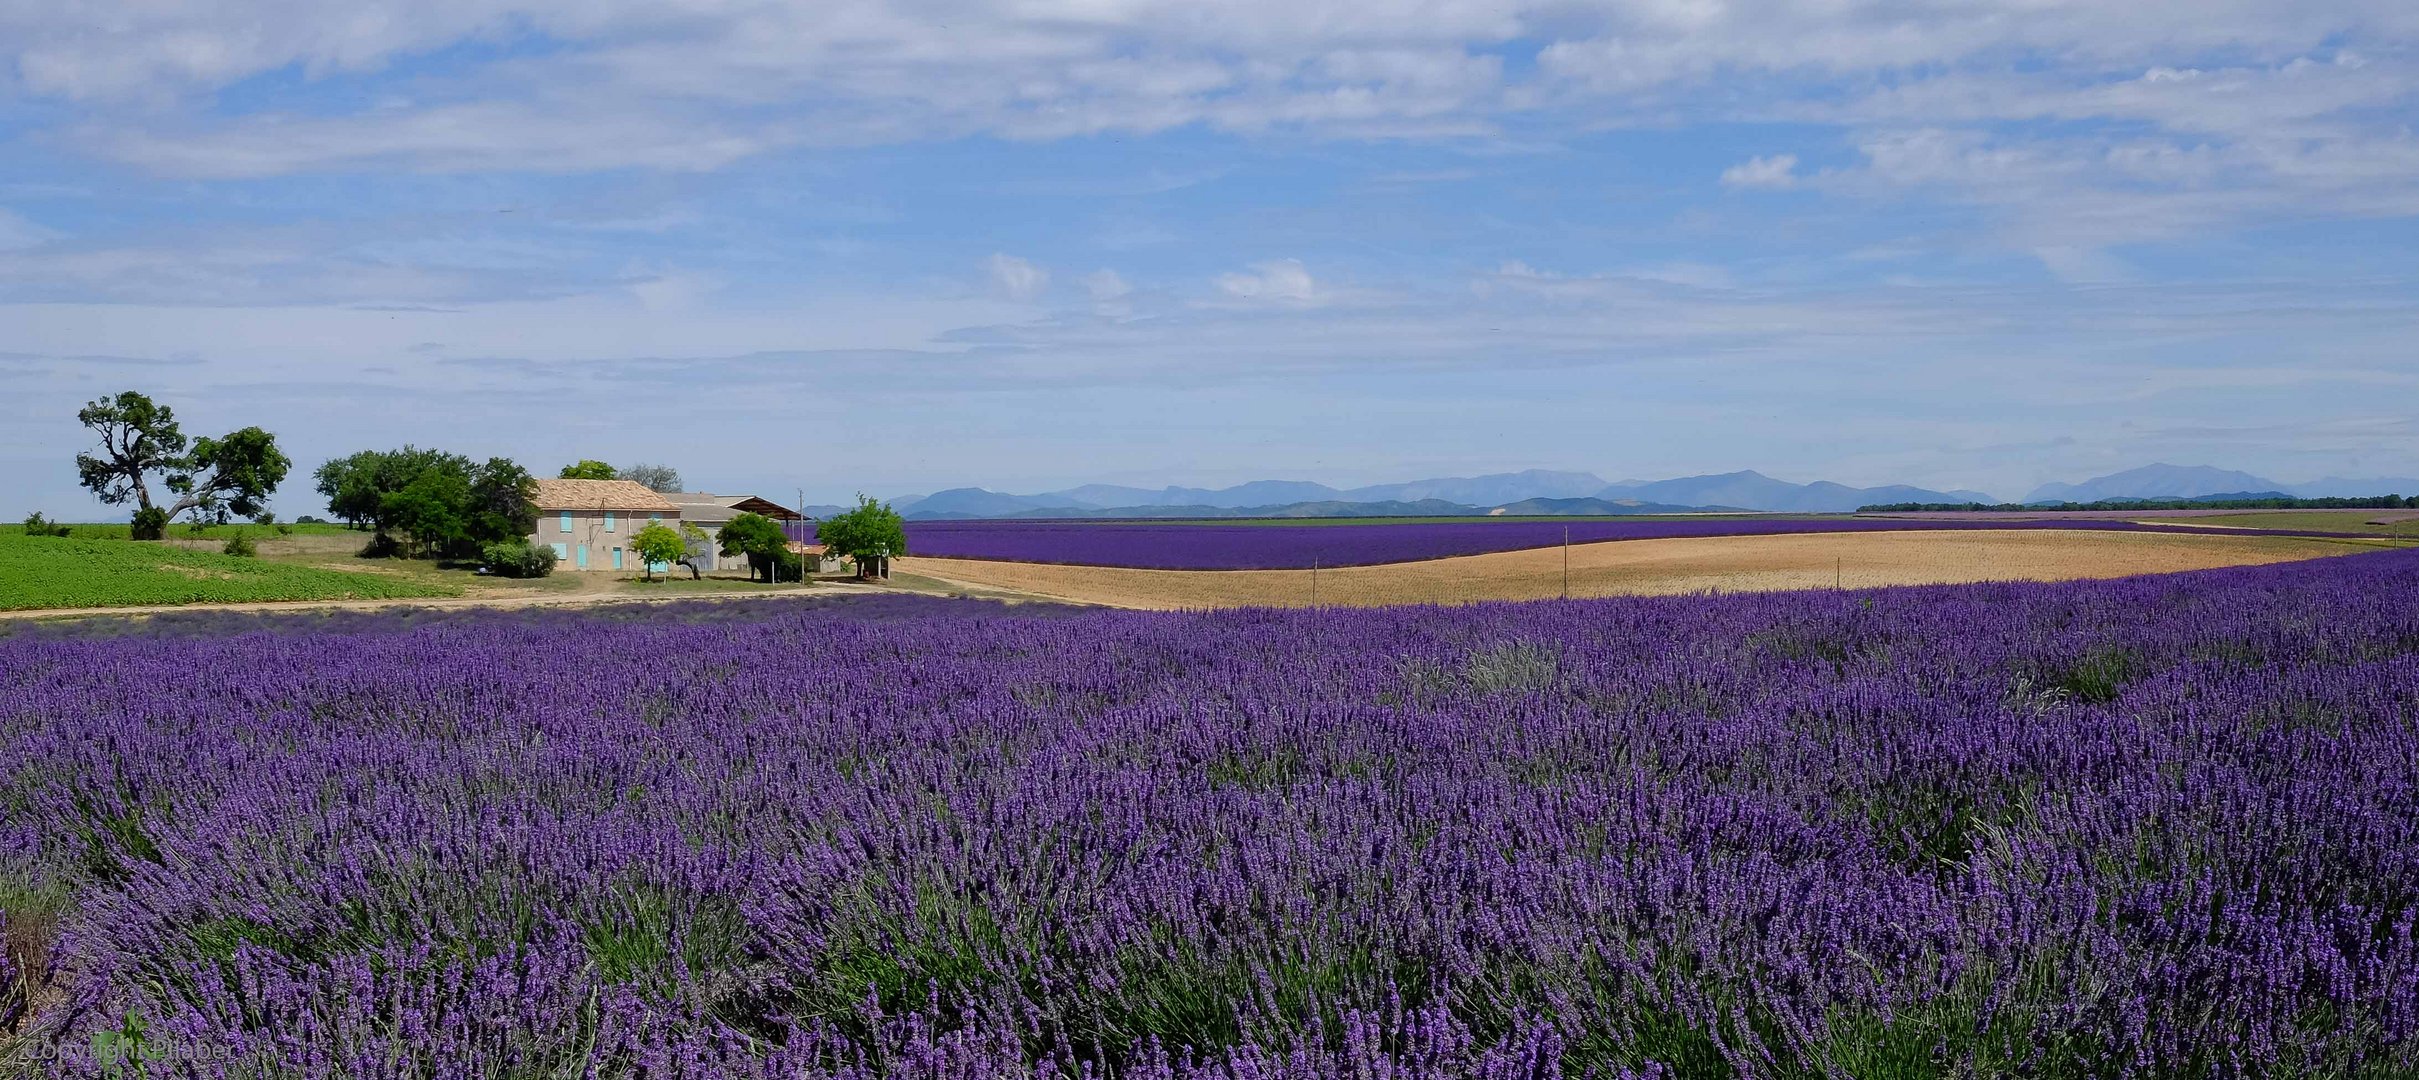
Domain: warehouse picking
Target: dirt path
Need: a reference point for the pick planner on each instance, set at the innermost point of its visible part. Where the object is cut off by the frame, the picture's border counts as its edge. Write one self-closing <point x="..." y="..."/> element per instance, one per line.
<point x="1719" y="564"/>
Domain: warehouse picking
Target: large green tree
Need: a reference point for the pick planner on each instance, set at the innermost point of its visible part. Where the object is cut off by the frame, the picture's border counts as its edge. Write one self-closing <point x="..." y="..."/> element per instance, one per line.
<point x="502" y="505"/>
<point x="868" y="533"/>
<point x="440" y="502"/>
<point x="211" y="479"/>
<point x="356" y="486"/>
<point x="588" y="469"/>
<point x="431" y="512"/>
<point x="756" y="536"/>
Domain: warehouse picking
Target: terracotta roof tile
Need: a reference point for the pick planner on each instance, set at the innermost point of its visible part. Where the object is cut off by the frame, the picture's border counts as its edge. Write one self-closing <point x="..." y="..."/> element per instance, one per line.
<point x="600" y="495"/>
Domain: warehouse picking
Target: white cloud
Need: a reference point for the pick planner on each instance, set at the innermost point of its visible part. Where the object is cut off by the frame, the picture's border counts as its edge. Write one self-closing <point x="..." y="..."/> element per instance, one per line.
<point x="2162" y="119"/>
<point x="17" y="234"/>
<point x="626" y="83"/>
<point x="674" y="291"/>
<point x="565" y="137"/>
<point x="1106" y="285"/>
<point x="1016" y="279"/>
<point x="1778" y="171"/>
<point x="1281" y="281"/>
<point x="1521" y="271"/>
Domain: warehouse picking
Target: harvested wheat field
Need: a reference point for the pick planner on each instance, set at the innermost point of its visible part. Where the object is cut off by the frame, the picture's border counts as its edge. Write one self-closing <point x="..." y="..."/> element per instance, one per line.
<point x="1718" y="564"/>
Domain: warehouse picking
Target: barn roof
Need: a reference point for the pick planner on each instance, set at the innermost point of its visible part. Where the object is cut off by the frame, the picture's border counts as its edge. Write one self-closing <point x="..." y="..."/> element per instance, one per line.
<point x="707" y="508"/>
<point x="600" y="495"/>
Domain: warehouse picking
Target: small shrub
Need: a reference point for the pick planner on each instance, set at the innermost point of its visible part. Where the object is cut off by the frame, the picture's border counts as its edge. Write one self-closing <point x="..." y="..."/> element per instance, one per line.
<point x="239" y="545"/>
<point x="37" y="525"/>
<point x="381" y="546"/>
<point x="150" y="523"/>
<point x="2099" y="676"/>
<point x="518" y="559"/>
<point x="307" y="519"/>
<point x="788" y="566"/>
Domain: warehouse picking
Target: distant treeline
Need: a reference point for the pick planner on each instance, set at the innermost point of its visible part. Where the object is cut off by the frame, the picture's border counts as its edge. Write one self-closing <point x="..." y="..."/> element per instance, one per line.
<point x="2371" y="502"/>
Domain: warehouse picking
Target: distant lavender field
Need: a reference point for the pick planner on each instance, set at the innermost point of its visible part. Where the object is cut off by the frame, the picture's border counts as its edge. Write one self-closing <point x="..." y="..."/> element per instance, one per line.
<point x="1178" y="546"/>
<point x="2157" y="828"/>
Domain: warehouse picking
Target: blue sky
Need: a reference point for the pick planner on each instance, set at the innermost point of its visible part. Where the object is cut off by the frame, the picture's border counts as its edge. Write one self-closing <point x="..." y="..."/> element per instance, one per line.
<point x="898" y="247"/>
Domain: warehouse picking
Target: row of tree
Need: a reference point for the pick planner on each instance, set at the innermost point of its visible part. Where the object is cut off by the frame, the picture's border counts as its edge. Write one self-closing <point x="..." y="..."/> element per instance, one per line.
<point x="429" y="503"/>
<point x="413" y="501"/>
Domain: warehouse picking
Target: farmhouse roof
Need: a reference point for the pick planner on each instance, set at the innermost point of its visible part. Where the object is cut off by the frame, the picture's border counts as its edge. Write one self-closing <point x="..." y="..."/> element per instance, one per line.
<point x="706" y="508"/>
<point x="600" y="495"/>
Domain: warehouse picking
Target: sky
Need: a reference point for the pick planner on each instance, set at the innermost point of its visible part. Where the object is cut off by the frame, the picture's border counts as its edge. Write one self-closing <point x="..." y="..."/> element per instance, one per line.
<point x="834" y="247"/>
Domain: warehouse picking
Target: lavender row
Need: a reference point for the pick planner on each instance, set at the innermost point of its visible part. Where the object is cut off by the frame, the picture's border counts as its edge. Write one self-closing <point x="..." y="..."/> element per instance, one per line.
<point x="1298" y="547"/>
<point x="2161" y="827"/>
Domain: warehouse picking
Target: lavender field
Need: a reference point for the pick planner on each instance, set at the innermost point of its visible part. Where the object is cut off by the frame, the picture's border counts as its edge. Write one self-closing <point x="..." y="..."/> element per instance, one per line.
<point x="2160" y="827"/>
<point x="1194" y="546"/>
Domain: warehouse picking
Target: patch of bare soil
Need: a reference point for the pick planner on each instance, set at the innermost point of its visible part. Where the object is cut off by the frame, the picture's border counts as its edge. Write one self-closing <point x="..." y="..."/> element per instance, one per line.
<point x="1637" y="567"/>
<point x="195" y="572"/>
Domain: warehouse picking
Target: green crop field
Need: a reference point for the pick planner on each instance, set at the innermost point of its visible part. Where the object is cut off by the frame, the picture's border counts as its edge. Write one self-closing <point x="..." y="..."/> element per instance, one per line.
<point x="119" y="530"/>
<point x="2354" y="521"/>
<point x="54" y="572"/>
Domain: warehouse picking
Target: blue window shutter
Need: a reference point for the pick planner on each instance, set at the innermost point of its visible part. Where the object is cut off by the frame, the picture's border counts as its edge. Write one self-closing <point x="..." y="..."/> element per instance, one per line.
<point x="566" y="521"/>
<point x="561" y="553"/>
<point x="608" y="521"/>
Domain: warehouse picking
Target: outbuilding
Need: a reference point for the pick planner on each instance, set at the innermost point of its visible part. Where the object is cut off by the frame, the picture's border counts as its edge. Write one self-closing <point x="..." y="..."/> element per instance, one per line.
<point x="710" y="512"/>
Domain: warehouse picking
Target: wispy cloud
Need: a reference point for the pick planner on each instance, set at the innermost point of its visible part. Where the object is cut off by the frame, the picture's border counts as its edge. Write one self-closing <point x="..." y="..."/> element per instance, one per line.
<point x="1279" y="281"/>
<point x="1777" y="171"/>
<point x="1016" y="279"/>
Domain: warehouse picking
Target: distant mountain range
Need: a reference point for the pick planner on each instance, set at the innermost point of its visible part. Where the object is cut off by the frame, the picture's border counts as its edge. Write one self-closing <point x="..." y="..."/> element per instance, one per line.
<point x="2162" y="481"/>
<point x="1536" y="491"/>
<point x="1463" y="490"/>
<point x="1546" y="492"/>
<point x="1756" y="491"/>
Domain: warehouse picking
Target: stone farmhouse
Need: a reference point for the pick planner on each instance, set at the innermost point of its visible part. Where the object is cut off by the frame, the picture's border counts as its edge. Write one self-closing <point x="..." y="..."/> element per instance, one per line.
<point x="589" y="523"/>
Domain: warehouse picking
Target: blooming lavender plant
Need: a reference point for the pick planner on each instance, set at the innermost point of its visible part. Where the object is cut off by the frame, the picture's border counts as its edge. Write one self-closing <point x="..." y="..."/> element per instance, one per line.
<point x="2158" y="827"/>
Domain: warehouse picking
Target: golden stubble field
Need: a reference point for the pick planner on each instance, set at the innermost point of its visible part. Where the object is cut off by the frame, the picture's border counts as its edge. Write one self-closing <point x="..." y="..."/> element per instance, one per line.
<point x="1642" y="567"/>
